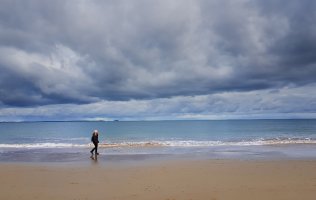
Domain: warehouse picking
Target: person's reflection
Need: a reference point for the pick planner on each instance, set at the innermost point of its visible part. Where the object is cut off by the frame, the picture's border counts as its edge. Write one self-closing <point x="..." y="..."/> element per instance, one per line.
<point x="94" y="158"/>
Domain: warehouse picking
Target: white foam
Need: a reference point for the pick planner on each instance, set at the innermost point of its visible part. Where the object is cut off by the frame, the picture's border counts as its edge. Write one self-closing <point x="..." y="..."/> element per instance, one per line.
<point x="171" y="143"/>
<point x="42" y="145"/>
<point x="193" y="143"/>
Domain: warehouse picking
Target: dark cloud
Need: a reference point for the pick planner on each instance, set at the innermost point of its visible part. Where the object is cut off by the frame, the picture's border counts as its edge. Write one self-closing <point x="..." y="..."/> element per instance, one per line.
<point x="55" y="52"/>
<point x="291" y="102"/>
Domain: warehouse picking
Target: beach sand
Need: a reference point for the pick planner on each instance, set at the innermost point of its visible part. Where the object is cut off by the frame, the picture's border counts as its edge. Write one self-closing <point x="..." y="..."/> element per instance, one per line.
<point x="207" y="180"/>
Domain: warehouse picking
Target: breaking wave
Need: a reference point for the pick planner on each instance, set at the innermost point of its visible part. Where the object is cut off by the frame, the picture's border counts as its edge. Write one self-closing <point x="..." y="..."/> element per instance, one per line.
<point x="171" y="143"/>
<point x="41" y="145"/>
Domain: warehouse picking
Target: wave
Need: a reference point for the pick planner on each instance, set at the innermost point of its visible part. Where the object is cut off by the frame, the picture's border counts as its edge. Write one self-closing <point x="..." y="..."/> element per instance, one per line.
<point x="41" y="145"/>
<point x="172" y="143"/>
<point x="193" y="143"/>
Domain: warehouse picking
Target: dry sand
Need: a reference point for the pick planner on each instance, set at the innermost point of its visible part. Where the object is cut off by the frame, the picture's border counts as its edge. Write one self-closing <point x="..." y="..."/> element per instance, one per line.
<point x="207" y="180"/>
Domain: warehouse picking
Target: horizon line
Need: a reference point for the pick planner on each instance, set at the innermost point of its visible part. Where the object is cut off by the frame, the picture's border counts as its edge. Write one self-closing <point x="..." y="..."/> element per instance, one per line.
<point x="151" y="120"/>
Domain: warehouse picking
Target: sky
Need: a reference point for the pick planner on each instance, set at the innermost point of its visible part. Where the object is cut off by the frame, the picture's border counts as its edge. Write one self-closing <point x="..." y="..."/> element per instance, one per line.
<point x="157" y="60"/>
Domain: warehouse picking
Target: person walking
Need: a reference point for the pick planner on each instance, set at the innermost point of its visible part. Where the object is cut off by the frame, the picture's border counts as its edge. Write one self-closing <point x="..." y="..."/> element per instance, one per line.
<point x="95" y="141"/>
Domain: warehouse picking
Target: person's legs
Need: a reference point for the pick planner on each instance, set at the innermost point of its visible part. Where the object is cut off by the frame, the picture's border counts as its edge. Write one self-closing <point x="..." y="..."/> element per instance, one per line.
<point x="96" y="148"/>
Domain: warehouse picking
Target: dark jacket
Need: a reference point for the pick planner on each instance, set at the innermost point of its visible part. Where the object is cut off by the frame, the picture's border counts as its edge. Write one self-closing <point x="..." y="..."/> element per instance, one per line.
<point x="95" y="138"/>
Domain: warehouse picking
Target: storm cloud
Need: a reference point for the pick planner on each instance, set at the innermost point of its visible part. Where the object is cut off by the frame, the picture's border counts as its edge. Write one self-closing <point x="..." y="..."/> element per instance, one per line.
<point x="89" y="53"/>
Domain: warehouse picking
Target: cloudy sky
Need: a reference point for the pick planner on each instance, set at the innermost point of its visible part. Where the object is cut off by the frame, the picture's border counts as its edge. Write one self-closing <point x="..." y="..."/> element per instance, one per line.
<point x="149" y="59"/>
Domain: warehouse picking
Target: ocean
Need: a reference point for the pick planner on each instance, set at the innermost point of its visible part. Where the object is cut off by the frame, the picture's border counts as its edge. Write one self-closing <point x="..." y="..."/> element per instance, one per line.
<point x="139" y="140"/>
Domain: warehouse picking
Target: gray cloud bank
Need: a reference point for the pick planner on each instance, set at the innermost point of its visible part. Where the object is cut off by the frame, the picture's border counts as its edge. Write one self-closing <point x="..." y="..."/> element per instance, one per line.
<point x="119" y="52"/>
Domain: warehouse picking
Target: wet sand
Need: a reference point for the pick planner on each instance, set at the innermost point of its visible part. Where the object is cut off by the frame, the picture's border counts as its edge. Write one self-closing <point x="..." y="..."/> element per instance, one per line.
<point x="207" y="180"/>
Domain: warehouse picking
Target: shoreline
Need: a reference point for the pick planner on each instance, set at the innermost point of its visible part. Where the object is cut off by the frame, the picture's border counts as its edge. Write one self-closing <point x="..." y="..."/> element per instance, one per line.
<point x="150" y="154"/>
<point x="174" y="179"/>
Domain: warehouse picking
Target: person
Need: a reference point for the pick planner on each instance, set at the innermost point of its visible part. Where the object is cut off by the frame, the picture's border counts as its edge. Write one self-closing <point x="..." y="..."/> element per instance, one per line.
<point x="95" y="141"/>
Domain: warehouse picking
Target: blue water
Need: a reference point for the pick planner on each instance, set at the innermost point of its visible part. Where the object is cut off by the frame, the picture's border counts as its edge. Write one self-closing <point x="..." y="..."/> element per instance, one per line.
<point x="215" y="139"/>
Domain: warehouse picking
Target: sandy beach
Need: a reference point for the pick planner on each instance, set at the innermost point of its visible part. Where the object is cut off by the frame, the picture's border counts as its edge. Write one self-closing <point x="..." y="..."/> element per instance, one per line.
<point x="207" y="179"/>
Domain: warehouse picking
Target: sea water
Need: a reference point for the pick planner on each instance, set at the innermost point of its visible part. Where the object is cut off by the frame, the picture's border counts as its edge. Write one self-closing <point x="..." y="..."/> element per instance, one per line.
<point x="242" y="139"/>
